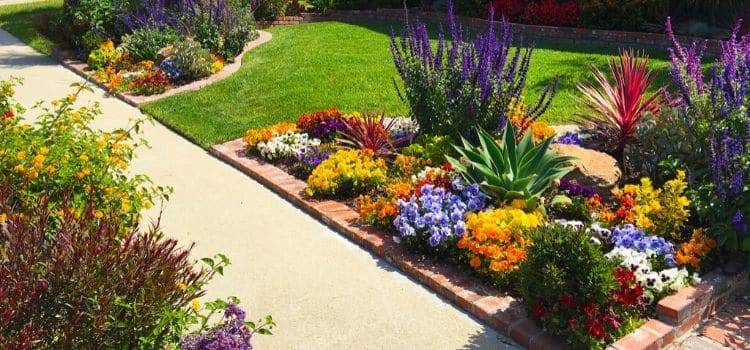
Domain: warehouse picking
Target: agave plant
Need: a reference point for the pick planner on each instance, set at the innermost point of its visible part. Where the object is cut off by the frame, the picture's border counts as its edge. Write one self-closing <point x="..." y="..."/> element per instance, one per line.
<point x="508" y="170"/>
<point x="373" y="132"/>
<point x="615" y="110"/>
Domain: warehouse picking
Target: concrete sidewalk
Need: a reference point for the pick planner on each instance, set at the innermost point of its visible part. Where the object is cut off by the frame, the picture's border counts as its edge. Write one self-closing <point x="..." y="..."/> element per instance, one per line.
<point x="323" y="291"/>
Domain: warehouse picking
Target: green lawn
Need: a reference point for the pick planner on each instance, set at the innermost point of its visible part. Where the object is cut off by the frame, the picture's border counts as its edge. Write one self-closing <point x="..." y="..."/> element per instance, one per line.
<point x="19" y="20"/>
<point x="313" y="66"/>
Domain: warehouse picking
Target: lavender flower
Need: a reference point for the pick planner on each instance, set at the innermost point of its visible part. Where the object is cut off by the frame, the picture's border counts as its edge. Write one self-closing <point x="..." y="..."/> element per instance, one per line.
<point x="470" y="86"/>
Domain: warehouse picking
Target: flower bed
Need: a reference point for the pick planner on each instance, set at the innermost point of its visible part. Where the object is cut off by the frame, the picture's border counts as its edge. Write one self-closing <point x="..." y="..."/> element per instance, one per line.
<point x="470" y="181"/>
<point x="150" y="47"/>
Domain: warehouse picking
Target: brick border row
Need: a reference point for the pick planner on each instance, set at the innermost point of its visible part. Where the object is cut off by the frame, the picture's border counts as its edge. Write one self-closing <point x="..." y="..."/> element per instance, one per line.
<point x="532" y="32"/>
<point x="677" y="314"/>
<point x="67" y="59"/>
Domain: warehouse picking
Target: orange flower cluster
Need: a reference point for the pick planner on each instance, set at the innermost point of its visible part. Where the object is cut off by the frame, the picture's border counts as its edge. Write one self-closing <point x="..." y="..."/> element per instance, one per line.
<point x="254" y="136"/>
<point x="495" y="239"/>
<point x="622" y="214"/>
<point x="522" y="123"/>
<point x="407" y="165"/>
<point x="384" y="210"/>
<point x="691" y="252"/>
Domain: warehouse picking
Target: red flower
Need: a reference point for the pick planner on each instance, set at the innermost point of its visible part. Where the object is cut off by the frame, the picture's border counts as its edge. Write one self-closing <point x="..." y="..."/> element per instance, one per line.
<point x="539" y="310"/>
<point x="612" y="320"/>
<point x="573" y="323"/>
<point x="596" y="329"/>
<point x="589" y="309"/>
<point x="566" y="301"/>
<point x="447" y="166"/>
<point x="9" y="114"/>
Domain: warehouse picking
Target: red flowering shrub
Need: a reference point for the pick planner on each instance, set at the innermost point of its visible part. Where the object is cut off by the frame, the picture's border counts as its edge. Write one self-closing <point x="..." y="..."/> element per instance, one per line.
<point x="152" y="83"/>
<point x="574" y="291"/>
<point x="510" y="9"/>
<point x="552" y="13"/>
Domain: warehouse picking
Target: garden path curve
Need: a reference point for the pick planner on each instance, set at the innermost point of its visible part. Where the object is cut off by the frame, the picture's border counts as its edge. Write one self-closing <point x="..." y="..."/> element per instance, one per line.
<point x="324" y="291"/>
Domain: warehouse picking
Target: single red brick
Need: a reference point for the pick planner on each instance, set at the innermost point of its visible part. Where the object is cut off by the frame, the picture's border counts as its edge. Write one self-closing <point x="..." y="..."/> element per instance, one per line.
<point x="466" y="299"/>
<point x="511" y="311"/>
<point x="664" y="332"/>
<point x="486" y="307"/>
<point x="690" y="323"/>
<point x="674" y="308"/>
<point x="327" y="207"/>
<point x="638" y="339"/>
<point x="435" y="281"/>
<point x="523" y="330"/>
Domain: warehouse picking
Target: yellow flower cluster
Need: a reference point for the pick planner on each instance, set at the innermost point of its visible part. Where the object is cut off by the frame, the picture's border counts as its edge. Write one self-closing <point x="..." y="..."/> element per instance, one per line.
<point x="495" y="239"/>
<point x="522" y="123"/>
<point x="254" y="136"/>
<point x="345" y="170"/>
<point x="217" y="66"/>
<point x="662" y="211"/>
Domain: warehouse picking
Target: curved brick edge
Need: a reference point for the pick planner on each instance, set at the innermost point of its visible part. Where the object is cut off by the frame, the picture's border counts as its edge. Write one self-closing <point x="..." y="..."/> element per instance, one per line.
<point x="81" y="68"/>
<point x="533" y="32"/>
<point x="676" y="314"/>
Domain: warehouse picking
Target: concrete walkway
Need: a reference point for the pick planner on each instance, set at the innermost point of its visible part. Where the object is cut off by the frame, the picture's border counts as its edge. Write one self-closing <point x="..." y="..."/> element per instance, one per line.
<point x="324" y="291"/>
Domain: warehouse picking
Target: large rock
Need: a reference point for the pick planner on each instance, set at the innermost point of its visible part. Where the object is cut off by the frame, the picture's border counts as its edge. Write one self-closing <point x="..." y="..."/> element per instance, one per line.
<point x="596" y="170"/>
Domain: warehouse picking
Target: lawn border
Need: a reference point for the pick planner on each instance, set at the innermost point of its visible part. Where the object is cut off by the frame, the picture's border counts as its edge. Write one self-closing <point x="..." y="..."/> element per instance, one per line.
<point x="677" y="314"/>
<point x="67" y="59"/>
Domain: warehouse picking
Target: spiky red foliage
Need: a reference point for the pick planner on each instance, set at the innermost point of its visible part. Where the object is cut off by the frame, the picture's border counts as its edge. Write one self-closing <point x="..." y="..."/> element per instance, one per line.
<point x="614" y="110"/>
<point x="77" y="283"/>
<point x="371" y="132"/>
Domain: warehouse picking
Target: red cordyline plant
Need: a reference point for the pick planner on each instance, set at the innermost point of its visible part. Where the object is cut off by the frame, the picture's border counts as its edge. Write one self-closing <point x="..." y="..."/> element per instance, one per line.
<point x="372" y="131"/>
<point x="614" y="110"/>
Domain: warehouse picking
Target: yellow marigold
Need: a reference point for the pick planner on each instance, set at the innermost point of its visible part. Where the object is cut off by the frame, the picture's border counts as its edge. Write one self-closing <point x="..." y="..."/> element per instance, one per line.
<point x="195" y="305"/>
<point x="21" y="155"/>
<point x="182" y="286"/>
<point x="217" y="66"/>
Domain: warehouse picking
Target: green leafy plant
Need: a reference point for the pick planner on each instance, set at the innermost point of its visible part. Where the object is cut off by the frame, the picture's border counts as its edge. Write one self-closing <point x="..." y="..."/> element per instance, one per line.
<point x="430" y="147"/>
<point x="510" y="170"/>
<point x="195" y="61"/>
<point x="270" y="9"/>
<point x="568" y="284"/>
<point x="144" y="43"/>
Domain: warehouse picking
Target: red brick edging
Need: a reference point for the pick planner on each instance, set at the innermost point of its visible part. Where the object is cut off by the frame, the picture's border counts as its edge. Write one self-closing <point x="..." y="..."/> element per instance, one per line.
<point x="677" y="314"/>
<point x="529" y="31"/>
<point x="67" y="59"/>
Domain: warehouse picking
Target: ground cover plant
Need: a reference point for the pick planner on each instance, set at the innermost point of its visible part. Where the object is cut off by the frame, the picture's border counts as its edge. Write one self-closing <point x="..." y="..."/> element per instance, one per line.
<point x="499" y="204"/>
<point x="77" y="268"/>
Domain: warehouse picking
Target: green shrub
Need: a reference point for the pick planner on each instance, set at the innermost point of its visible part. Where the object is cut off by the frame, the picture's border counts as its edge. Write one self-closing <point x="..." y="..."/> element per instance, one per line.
<point x="79" y="17"/>
<point x="144" y="44"/>
<point x="78" y="170"/>
<point x="430" y="147"/>
<point x="195" y="61"/>
<point x="270" y="9"/>
<point x="622" y="15"/>
<point x="568" y="284"/>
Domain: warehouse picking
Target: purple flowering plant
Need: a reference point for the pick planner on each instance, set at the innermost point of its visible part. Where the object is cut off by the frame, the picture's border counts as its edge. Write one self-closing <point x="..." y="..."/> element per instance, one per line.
<point x="570" y="138"/>
<point x="716" y="112"/>
<point x="233" y="332"/>
<point x="433" y="221"/>
<point x="464" y="83"/>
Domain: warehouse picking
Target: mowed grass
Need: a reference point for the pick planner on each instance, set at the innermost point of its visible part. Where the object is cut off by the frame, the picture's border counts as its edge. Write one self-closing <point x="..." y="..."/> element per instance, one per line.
<point x="19" y="20"/>
<point x="314" y="66"/>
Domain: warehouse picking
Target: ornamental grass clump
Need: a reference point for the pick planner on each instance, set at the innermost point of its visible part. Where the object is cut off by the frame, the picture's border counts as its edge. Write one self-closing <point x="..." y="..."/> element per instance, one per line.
<point x="463" y="84"/>
<point x="575" y="291"/>
<point x="715" y="111"/>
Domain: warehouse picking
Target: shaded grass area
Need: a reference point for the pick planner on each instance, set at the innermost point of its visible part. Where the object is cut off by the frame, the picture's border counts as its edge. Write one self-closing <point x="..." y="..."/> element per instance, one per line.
<point x="19" y="20"/>
<point x="313" y="66"/>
